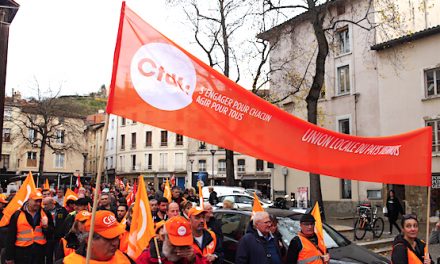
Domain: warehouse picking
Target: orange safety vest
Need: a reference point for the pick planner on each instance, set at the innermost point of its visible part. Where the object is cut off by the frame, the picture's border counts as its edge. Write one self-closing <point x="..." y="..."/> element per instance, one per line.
<point x="412" y="257"/>
<point x="67" y="251"/>
<point x="123" y="244"/>
<point x="309" y="252"/>
<point x="209" y="249"/>
<point x="118" y="258"/>
<point x="26" y="235"/>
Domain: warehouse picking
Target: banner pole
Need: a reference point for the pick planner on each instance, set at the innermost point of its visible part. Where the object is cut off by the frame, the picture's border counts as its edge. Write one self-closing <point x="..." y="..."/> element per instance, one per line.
<point x="157" y="250"/>
<point x="97" y="188"/>
<point x="428" y="213"/>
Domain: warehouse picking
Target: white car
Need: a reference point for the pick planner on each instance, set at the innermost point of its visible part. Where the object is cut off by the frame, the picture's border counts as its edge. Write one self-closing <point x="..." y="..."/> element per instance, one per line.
<point x="242" y="201"/>
<point x="222" y="190"/>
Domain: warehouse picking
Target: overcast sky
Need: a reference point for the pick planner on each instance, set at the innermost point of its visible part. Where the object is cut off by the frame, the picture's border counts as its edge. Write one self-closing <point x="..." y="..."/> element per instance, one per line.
<point x="71" y="43"/>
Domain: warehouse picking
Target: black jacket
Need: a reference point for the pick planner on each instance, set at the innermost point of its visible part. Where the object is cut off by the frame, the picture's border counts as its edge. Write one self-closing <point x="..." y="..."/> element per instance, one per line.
<point x="394" y="208"/>
<point x="252" y="248"/>
<point x="400" y="254"/>
<point x="12" y="232"/>
<point x="213" y="199"/>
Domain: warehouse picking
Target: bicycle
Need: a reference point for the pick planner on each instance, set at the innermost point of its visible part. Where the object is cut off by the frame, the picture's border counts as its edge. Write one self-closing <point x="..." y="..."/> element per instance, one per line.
<point x="368" y="221"/>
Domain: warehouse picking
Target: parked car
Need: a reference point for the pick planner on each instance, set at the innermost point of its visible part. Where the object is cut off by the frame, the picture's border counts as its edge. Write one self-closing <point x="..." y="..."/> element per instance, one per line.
<point x="221" y="190"/>
<point x="252" y="191"/>
<point x="242" y="201"/>
<point x="235" y="222"/>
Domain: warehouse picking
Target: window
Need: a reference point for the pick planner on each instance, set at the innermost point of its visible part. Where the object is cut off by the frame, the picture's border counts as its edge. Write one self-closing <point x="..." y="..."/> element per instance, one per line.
<point x="374" y="194"/>
<point x="133" y="163"/>
<point x="112" y="141"/>
<point x="343" y="38"/>
<point x="164" y="138"/>
<point x="149" y="161"/>
<point x="112" y="126"/>
<point x="343" y="80"/>
<point x="344" y="126"/>
<point x="60" y="137"/>
<point x="111" y="162"/>
<point x="435" y="124"/>
<point x="179" y="140"/>
<point x="241" y="165"/>
<point x="31" y="159"/>
<point x="133" y="140"/>
<point x="245" y="200"/>
<point x="134" y="122"/>
<point x="222" y="165"/>
<point x="270" y="165"/>
<point x="202" y="165"/>
<point x="122" y="163"/>
<point x="163" y="161"/>
<point x="59" y="160"/>
<point x="8" y="114"/>
<point x="202" y="145"/>
<point x="5" y="161"/>
<point x="31" y="135"/>
<point x="260" y="165"/>
<point x="123" y="121"/>
<point x="6" y="135"/>
<point x="178" y="161"/>
<point x="345" y="189"/>
<point x="148" y="138"/>
<point x="432" y="82"/>
<point x="122" y="142"/>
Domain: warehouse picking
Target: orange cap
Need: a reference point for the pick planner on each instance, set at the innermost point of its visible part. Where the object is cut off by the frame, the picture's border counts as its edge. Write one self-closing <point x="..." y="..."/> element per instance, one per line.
<point x="82" y="216"/>
<point x="36" y="195"/>
<point x="158" y="226"/>
<point x="195" y="211"/>
<point x="179" y="231"/>
<point x="2" y="200"/>
<point x="106" y="225"/>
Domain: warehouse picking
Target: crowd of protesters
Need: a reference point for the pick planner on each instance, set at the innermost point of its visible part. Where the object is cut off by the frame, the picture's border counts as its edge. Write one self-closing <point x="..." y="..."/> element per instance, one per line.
<point x="53" y="227"/>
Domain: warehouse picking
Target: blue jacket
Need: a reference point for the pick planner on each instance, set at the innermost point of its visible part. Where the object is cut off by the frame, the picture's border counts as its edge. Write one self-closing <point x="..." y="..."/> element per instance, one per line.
<point x="252" y="248"/>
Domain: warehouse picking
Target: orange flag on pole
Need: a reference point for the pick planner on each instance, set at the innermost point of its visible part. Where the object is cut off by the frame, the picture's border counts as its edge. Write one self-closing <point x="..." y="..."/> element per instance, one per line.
<point x="142" y="224"/>
<point x="318" y="226"/>
<point x="167" y="191"/>
<point x="19" y="199"/>
<point x="257" y="205"/>
<point x="201" y="201"/>
<point x="70" y="195"/>
<point x="46" y="185"/>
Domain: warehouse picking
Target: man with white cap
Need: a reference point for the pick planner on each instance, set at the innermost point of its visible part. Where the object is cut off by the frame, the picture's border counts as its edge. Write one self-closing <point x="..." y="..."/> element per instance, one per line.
<point x="105" y="242"/>
<point x="29" y="229"/>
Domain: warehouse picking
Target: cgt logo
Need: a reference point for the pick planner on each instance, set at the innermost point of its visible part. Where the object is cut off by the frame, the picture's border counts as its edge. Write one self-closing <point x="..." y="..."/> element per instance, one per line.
<point x="163" y="76"/>
<point x="109" y="220"/>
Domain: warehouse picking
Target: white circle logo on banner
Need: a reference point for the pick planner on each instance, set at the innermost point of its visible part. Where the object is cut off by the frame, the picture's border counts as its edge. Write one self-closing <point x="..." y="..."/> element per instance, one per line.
<point x="163" y="76"/>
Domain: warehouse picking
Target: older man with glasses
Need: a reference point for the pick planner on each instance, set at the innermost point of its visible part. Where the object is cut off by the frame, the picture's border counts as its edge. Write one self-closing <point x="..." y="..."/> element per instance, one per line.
<point x="258" y="245"/>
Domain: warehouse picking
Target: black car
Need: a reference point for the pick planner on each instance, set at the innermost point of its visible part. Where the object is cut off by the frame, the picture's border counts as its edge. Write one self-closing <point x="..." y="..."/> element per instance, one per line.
<point x="234" y="224"/>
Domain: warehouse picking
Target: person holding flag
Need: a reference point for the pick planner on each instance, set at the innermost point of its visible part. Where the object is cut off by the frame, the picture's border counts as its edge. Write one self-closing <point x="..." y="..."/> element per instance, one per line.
<point x="308" y="246"/>
<point x="29" y="229"/>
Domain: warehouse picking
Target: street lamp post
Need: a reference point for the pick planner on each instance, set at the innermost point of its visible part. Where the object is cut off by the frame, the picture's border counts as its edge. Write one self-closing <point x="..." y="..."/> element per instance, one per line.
<point x="190" y="179"/>
<point x="212" y="175"/>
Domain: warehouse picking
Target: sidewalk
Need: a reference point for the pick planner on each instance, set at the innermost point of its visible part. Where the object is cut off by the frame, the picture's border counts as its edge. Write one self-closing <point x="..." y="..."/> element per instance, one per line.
<point x="382" y="244"/>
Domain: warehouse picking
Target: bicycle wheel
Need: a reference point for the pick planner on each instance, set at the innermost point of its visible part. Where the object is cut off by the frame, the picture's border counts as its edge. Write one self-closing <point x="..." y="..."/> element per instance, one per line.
<point x="378" y="227"/>
<point x="360" y="229"/>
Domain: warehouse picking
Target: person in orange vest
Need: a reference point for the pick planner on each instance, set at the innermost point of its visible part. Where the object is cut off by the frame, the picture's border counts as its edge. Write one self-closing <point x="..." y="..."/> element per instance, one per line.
<point x="28" y="231"/>
<point x="205" y="241"/>
<point x="105" y="242"/>
<point x="71" y="241"/>
<point x="407" y="248"/>
<point x="306" y="247"/>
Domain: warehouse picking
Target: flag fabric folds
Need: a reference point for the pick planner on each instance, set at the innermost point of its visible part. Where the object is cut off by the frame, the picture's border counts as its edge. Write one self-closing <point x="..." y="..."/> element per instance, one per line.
<point x="157" y="82"/>
<point x="46" y="185"/>
<point x="69" y="195"/>
<point x="318" y="225"/>
<point x="142" y="224"/>
<point x="19" y="199"/>
<point x="257" y="205"/>
<point x="167" y="191"/>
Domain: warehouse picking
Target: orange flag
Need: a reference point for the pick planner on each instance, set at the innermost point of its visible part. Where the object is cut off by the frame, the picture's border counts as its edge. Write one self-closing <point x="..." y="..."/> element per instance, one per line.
<point x="46" y="185"/>
<point x="70" y="195"/>
<point x="19" y="199"/>
<point x="167" y="191"/>
<point x="318" y="226"/>
<point x="142" y="225"/>
<point x="201" y="201"/>
<point x="257" y="205"/>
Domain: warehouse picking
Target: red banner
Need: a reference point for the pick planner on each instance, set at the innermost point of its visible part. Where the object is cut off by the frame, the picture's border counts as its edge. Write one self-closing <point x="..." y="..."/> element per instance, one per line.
<point x="158" y="83"/>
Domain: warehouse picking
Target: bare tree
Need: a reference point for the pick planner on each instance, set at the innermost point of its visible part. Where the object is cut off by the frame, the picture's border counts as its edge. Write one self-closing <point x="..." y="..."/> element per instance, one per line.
<point x="221" y="29"/>
<point x="49" y="122"/>
<point x="323" y="21"/>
